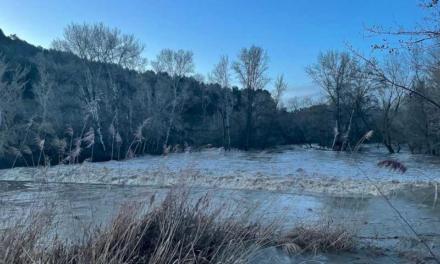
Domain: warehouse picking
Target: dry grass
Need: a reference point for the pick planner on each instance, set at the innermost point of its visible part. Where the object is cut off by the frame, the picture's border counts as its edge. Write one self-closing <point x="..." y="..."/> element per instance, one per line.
<point x="18" y="243"/>
<point x="177" y="230"/>
<point x="318" y="238"/>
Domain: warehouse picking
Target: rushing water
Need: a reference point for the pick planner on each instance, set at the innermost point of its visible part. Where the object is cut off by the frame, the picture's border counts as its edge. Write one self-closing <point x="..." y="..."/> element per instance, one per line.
<point x="288" y="161"/>
<point x="76" y="207"/>
<point x="283" y="169"/>
<point x="79" y="206"/>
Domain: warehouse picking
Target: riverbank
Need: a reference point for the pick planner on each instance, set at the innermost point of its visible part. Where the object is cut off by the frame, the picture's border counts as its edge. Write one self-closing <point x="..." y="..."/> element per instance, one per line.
<point x="297" y="185"/>
<point x="180" y="228"/>
<point x="379" y="236"/>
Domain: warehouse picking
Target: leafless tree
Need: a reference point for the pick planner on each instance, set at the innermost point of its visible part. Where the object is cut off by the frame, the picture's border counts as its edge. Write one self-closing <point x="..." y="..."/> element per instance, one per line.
<point x="426" y="31"/>
<point x="221" y="75"/>
<point x="177" y="64"/>
<point x="43" y="90"/>
<point x="199" y="77"/>
<point x="390" y="97"/>
<point x="91" y="96"/>
<point x="279" y="90"/>
<point x="251" y="70"/>
<point x="299" y="102"/>
<point x="97" y="42"/>
<point x="425" y="35"/>
<point x="335" y="73"/>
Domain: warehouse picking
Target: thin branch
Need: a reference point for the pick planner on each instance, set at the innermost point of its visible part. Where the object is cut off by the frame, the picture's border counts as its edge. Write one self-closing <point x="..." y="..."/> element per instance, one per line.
<point x="381" y="75"/>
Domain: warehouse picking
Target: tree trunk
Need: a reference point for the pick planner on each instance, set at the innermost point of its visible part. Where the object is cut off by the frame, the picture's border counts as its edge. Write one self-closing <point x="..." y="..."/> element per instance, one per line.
<point x="347" y="133"/>
<point x="173" y="110"/>
<point x="389" y="147"/>
<point x="387" y="141"/>
<point x="337" y="139"/>
<point x="228" y="131"/>
<point x="249" y="119"/>
<point x="223" y="115"/>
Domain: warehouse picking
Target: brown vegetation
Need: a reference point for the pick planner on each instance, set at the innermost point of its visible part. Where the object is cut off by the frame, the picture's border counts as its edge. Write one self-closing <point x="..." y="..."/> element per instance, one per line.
<point x="178" y="230"/>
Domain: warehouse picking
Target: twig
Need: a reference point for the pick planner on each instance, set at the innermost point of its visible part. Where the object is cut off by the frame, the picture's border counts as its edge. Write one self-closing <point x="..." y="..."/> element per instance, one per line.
<point x="379" y="73"/>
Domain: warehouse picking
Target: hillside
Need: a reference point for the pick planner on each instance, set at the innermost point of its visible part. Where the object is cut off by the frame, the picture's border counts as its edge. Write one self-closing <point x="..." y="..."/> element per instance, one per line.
<point x="65" y="109"/>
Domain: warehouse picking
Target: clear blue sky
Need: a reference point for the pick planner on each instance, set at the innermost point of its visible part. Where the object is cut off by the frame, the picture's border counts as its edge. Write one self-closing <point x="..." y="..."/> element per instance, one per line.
<point x="292" y="31"/>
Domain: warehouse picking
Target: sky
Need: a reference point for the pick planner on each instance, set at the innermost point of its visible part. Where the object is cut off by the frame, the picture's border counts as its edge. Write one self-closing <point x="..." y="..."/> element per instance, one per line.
<point x="293" y="32"/>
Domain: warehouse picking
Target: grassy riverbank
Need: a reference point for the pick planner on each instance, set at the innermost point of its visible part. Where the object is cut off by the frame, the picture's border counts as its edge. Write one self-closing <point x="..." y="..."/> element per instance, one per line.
<point x="178" y="229"/>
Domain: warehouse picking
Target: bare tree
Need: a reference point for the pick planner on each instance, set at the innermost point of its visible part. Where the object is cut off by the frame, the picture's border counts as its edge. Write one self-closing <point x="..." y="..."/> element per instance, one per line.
<point x="335" y="73"/>
<point x="43" y="90"/>
<point x="91" y="96"/>
<point x="390" y="97"/>
<point x="177" y="64"/>
<point x="279" y="90"/>
<point x="251" y="69"/>
<point x="427" y="31"/>
<point x="296" y="103"/>
<point x="222" y="76"/>
<point x="221" y="72"/>
<point x="199" y="77"/>
<point x="97" y="42"/>
<point x="426" y="35"/>
<point x="358" y="99"/>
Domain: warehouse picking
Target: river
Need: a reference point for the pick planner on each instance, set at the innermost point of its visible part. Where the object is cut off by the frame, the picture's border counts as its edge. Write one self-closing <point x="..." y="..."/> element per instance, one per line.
<point x="86" y="195"/>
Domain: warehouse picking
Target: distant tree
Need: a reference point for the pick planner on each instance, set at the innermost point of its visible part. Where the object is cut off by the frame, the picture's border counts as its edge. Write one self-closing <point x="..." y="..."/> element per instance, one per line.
<point x="300" y="102"/>
<point x="199" y="77"/>
<point x="390" y="98"/>
<point x="279" y="90"/>
<point x="97" y="42"/>
<point x="43" y="90"/>
<point x="177" y="64"/>
<point x="79" y="109"/>
<point x="221" y="75"/>
<point x="422" y="118"/>
<point x="251" y="69"/>
<point x="335" y="72"/>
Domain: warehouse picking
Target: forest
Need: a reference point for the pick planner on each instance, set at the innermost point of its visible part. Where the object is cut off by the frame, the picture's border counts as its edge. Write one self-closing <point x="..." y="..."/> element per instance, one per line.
<point x="93" y="96"/>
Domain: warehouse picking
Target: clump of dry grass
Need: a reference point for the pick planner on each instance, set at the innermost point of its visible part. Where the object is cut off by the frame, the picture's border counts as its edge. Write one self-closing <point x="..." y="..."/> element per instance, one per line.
<point x="318" y="238"/>
<point x="178" y="230"/>
<point x="18" y="243"/>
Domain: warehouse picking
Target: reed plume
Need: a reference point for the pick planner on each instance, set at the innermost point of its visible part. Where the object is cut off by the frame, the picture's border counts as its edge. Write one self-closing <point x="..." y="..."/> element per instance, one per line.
<point x="393" y="165"/>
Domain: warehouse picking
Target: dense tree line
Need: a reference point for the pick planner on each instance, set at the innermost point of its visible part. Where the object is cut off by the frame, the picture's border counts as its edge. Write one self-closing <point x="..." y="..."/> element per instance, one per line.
<point x="61" y="106"/>
<point x="91" y="97"/>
